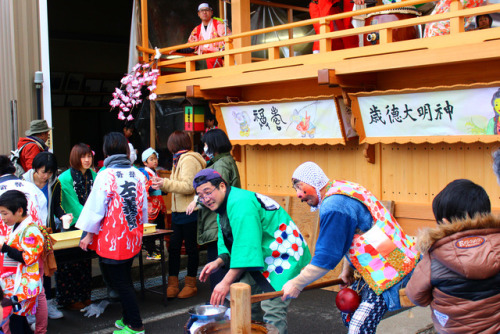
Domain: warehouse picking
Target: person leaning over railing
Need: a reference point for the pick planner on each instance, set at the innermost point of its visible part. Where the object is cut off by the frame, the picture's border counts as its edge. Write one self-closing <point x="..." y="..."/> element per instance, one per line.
<point x="208" y="29"/>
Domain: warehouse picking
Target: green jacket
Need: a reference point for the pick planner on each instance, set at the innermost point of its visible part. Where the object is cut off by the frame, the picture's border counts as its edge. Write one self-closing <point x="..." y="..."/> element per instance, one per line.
<point x="69" y="199"/>
<point x="264" y="237"/>
<point x="207" y="219"/>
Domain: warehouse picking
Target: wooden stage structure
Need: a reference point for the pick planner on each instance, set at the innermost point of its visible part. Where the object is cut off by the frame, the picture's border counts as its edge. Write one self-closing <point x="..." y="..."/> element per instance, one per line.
<point x="406" y="171"/>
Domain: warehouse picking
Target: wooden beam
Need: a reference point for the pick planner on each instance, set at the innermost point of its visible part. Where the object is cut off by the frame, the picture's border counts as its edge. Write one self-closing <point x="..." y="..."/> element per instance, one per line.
<point x="279" y="5"/>
<point x="287" y="89"/>
<point x="327" y="77"/>
<point x="194" y="91"/>
<point x="366" y="81"/>
<point x="416" y="58"/>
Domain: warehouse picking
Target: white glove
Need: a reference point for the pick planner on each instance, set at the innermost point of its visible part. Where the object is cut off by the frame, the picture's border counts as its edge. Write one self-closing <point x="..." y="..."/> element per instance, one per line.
<point x="95" y="309"/>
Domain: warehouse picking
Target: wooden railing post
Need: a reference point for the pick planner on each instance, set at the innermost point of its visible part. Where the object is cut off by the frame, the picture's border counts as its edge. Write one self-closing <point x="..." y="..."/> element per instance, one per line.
<point x="385" y="36"/>
<point x="273" y="53"/>
<point x="190" y="66"/>
<point x="228" y="45"/>
<point x="456" y="23"/>
<point x="325" y="44"/>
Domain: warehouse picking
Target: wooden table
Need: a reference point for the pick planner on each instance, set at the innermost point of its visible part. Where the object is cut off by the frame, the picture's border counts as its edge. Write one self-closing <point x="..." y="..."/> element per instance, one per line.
<point x="71" y="240"/>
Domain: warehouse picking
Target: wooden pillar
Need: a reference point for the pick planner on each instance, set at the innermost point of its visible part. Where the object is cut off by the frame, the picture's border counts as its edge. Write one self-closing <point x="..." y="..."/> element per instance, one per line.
<point x="290" y="31"/>
<point x="144" y="27"/>
<point x="240" y="21"/>
<point x="152" y="124"/>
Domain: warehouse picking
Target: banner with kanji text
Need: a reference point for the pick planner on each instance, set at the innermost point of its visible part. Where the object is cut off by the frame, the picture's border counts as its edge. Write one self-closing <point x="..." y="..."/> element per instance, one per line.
<point x="462" y="112"/>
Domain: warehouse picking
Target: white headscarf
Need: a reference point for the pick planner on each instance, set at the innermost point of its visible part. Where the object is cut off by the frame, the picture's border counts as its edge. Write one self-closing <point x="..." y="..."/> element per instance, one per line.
<point x="314" y="176"/>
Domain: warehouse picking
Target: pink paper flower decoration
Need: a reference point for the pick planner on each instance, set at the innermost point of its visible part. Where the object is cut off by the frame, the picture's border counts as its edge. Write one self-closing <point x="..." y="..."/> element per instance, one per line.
<point x="128" y="96"/>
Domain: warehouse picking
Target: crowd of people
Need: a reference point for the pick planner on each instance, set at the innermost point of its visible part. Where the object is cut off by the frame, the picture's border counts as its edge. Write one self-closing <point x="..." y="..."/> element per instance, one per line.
<point x="249" y="237"/>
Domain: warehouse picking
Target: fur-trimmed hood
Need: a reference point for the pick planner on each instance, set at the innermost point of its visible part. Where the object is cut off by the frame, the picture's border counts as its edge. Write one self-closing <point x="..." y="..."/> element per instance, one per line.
<point x="470" y="246"/>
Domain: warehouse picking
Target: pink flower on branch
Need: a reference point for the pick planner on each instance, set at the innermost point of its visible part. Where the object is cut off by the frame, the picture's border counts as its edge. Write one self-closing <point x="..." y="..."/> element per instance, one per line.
<point x="128" y="96"/>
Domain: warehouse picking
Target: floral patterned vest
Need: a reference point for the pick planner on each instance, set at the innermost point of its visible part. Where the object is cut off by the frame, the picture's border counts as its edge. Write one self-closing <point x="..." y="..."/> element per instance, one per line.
<point x="384" y="254"/>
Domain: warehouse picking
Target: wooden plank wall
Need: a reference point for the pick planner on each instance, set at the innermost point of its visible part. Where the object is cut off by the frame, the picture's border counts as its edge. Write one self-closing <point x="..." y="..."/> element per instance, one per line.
<point x="408" y="174"/>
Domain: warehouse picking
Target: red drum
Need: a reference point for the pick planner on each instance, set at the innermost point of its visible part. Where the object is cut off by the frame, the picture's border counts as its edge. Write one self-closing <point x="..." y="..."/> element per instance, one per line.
<point x="397" y="14"/>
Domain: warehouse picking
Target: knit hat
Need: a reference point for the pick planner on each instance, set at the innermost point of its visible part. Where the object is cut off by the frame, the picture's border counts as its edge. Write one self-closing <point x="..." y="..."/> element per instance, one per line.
<point x="204" y="5"/>
<point x="38" y="126"/>
<point x="314" y="176"/>
<point x="204" y="176"/>
<point x="147" y="153"/>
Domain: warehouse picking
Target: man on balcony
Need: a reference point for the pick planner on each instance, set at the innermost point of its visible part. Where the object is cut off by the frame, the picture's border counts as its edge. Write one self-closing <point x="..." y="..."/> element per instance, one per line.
<point x="208" y="29"/>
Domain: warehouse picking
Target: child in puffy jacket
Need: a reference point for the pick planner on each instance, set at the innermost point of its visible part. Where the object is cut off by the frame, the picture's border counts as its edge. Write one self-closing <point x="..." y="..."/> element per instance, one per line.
<point x="459" y="274"/>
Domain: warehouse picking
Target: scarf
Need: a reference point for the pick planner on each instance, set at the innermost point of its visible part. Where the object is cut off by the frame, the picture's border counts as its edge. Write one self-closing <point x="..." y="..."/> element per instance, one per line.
<point x="117" y="161"/>
<point x="314" y="176"/>
<point x="177" y="156"/>
<point x="82" y="183"/>
<point x="206" y="34"/>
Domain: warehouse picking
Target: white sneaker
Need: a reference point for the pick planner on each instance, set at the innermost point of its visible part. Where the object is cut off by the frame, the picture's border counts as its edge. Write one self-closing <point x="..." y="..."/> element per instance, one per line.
<point x="54" y="313"/>
<point x="31" y="319"/>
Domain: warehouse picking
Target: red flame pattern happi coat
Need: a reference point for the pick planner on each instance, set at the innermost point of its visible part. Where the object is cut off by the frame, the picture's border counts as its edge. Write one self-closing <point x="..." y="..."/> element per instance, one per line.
<point x="115" y="212"/>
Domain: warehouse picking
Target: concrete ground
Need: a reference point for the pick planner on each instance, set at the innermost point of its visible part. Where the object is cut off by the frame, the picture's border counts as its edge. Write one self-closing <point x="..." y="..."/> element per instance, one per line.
<point x="313" y="312"/>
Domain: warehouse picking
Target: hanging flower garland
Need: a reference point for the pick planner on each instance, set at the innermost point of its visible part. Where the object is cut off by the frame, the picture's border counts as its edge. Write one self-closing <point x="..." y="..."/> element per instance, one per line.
<point x="128" y="96"/>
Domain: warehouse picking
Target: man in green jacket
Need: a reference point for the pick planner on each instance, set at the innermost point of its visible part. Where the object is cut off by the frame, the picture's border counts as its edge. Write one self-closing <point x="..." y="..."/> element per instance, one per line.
<point x="217" y="147"/>
<point x="257" y="240"/>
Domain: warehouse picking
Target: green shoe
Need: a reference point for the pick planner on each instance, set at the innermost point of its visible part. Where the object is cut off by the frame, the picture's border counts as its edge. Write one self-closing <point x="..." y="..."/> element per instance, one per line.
<point x="128" y="330"/>
<point x="120" y="324"/>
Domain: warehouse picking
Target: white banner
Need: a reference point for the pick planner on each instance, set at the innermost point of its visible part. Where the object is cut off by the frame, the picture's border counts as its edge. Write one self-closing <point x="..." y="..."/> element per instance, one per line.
<point x="283" y="120"/>
<point x="443" y="113"/>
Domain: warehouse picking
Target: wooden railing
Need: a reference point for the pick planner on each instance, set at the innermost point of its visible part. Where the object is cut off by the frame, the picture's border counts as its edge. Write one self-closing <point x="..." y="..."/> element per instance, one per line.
<point x="456" y="16"/>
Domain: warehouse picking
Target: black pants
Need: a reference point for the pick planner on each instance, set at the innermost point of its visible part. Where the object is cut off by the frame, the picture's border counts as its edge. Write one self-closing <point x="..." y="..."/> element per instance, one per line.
<point x="120" y="276"/>
<point x="47" y="285"/>
<point x="19" y="325"/>
<point x="183" y="232"/>
<point x="213" y="254"/>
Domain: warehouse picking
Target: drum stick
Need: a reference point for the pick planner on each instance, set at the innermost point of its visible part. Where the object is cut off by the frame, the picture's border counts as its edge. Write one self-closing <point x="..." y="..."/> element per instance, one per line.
<point x="274" y="294"/>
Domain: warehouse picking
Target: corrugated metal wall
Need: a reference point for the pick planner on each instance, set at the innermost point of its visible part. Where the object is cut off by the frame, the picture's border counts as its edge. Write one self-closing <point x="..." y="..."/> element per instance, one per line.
<point x="20" y="55"/>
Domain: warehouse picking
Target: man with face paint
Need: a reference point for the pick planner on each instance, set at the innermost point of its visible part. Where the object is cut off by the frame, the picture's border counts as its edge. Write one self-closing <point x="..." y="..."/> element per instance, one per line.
<point x="354" y="224"/>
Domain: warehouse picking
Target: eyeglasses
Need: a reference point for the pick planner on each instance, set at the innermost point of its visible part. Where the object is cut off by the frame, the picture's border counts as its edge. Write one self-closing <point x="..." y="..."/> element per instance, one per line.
<point x="204" y="197"/>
